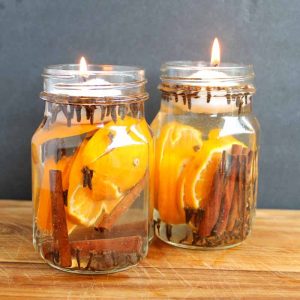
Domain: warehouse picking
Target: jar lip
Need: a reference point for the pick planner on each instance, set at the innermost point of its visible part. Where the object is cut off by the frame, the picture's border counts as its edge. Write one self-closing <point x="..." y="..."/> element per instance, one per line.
<point x="97" y="81"/>
<point x="201" y="72"/>
<point x="66" y="70"/>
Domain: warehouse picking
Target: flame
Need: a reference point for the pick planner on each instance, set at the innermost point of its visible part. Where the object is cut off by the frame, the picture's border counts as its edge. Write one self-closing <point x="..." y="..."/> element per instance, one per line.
<point x="83" y="67"/>
<point x="215" y="53"/>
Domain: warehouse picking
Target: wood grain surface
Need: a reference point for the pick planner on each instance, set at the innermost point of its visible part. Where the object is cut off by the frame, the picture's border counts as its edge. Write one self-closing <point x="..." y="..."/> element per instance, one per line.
<point x="265" y="266"/>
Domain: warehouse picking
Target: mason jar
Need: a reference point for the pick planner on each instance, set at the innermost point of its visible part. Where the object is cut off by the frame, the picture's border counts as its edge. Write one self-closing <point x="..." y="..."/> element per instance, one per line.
<point x="206" y="155"/>
<point x="90" y="169"/>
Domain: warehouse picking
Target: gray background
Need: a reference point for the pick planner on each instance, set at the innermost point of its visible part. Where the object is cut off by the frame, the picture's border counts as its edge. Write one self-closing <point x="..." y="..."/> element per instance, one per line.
<point x="35" y="33"/>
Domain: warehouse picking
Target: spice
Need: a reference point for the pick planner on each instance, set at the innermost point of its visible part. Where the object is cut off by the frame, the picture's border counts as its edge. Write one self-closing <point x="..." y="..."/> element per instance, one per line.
<point x="103" y="110"/>
<point x="122" y="110"/>
<point x="168" y="231"/>
<point x="87" y="177"/>
<point x="122" y="244"/>
<point x="78" y="112"/>
<point x="89" y="109"/>
<point x="109" y="220"/>
<point x="225" y="219"/>
<point x="229" y="191"/>
<point x="188" y="93"/>
<point x="60" y="232"/>
<point x="212" y="209"/>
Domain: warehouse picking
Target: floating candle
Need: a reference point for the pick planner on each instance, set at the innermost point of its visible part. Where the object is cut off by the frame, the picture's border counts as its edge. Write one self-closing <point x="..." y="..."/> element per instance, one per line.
<point x="85" y="83"/>
<point x="214" y="84"/>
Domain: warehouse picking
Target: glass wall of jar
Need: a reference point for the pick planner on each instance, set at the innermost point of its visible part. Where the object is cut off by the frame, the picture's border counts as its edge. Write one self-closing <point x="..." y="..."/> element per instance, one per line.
<point x="90" y="169"/>
<point x="206" y="154"/>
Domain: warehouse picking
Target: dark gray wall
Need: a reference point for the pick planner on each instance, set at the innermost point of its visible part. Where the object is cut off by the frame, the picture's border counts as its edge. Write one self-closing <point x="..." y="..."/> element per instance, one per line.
<point x="35" y="33"/>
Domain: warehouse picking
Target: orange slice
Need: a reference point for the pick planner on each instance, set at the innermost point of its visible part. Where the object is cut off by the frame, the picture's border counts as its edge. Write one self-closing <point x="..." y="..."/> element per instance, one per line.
<point x="122" y="163"/>
<point x="117" y="155"/>
<point x="196" y="181"/>
<point x="176" y="145"/>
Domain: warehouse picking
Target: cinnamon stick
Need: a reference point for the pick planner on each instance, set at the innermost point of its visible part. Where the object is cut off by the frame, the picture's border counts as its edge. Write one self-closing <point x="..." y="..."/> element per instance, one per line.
<point x="60" y="231"/>
<point x="247" y="195"/>
<point x="234" y="210"/>
<point x="249" y="179"/>
<point x="228" y="191"/>
<point x="212" y="209"/>
<point x="132" y="227"/>
<point x="254" y="175"/>
<point x="237" y="212"/>
<point x="129" y="244"/>
<point x="109" y="220"/>
<point x="242" y="187"/>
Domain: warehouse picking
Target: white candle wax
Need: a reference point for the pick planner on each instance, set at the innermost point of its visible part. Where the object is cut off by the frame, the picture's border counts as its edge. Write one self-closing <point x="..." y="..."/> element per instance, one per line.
<point x="88" y="88"/>
<point x="217" y="104"/>
<point x="96" y="87"/>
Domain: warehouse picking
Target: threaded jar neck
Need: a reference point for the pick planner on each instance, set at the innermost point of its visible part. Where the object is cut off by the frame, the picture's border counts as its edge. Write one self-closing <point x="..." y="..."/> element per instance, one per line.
<point x="198" y="84"/>
<point x="99" y="84"/>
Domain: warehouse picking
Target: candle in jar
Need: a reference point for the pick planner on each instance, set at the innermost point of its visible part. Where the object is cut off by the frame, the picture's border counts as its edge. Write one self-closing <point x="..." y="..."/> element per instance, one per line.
<point x="211" y="77"/>
<point x="86" y="87"/>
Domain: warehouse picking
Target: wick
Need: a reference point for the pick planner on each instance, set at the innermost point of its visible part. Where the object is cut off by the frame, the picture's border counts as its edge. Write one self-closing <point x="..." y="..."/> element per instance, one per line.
<point x="215" y="64"/>
<point x="83" y="78"/>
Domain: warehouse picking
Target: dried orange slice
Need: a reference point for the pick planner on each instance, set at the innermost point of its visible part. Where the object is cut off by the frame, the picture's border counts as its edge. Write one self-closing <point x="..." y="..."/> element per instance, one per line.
<point x="196" y="181"/>
<point x="117" y="157"/>
<point x="176" y="145"/>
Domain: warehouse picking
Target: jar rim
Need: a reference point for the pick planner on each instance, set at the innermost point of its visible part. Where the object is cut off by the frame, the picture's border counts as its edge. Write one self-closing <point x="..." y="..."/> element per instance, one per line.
<point x="203" y="72"/>
<point x="97" y="81"/>
<point x="92" y="69"/>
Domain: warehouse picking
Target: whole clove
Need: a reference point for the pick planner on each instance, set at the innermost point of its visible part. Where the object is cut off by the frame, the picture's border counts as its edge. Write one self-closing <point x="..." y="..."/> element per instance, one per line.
<point x="90" y="109"/>
<point x="108" y="109"/>
<point x="78" y="112"/>
<point x="103" y="110"/>
<point x="187" y="93"/>
<point x="114" y="113"/>
<point x="168" y="231"/>
<point x="87" y="177"/>
<point x="122" y="111"/>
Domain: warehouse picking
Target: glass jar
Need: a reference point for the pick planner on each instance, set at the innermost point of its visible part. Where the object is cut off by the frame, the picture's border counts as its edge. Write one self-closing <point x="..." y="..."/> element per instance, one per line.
<point x="206" y="154"/>
<point x="90" y="169"/>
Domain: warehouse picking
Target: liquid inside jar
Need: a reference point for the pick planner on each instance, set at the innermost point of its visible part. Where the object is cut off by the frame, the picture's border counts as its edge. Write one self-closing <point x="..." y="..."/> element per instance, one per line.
<point x="90" y="168"/>
<point x="205" y="171"/>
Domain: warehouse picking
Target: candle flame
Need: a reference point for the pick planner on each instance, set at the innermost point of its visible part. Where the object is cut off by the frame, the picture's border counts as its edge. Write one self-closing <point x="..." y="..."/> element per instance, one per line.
<point x="215" y="53"/>
<point x="83" y="67"/>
